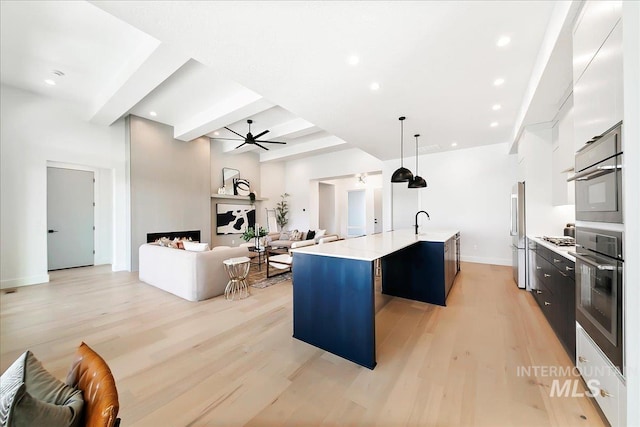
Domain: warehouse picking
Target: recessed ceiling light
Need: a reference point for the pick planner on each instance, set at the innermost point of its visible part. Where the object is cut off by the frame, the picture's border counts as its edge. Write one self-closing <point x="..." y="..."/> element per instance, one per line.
<point x="494" y="124"/>
<point x="50" y="82"/>
<point x="374" y="86"/>
<point x="353" y="60"/>
<point x="503" y="41"/>
<point x="496" y="107"/>
<point x="454" y="144"/>
<point x="216" y="133"/>
<point x="498" y="82"/>
<point x="153" y="113"/>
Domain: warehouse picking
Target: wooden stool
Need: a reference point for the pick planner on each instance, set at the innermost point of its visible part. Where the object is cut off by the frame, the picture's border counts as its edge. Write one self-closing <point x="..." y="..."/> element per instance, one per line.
<point x="237" y="269"/>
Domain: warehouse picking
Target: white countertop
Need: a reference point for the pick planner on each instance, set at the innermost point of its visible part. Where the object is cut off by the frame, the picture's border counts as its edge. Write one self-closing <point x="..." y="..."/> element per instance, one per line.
<point x="560" y="250"/>
<point x="374" y="246"/>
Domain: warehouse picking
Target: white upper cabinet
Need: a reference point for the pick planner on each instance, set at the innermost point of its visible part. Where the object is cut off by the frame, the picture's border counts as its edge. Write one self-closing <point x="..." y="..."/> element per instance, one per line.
<point x="597" y="95"/>
<point x="563" y="156"/>
<point x="594" y="24"/>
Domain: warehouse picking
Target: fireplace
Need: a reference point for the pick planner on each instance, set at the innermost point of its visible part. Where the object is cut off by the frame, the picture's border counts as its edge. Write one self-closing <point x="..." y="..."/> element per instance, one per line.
<point x="190" y="235"/>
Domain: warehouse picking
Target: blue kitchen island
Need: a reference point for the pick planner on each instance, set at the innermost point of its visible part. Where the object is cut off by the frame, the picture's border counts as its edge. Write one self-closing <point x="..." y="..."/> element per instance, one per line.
<point x="333" y="286"/>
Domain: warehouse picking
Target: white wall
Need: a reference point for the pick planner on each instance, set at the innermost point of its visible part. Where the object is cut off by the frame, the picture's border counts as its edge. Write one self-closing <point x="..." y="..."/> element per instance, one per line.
<point x="303" y="214"/>
<point x="467" y="190"/>
<point x="272" y="184"/>
<point x="36" y="130"/>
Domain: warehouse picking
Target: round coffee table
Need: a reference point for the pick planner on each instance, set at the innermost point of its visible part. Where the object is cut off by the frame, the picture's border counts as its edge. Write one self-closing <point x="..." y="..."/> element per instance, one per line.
<point x="237" y="269"/>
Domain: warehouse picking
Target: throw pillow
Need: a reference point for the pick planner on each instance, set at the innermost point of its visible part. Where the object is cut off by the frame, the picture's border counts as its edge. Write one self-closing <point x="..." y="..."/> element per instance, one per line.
<point x="310" y="235"/>
<point x="284" y="235"/>
<point x="320" y="233"/>
<point x="195" y="246"/>
<point x="296" y="235"/>
<point x="39" y="398"/>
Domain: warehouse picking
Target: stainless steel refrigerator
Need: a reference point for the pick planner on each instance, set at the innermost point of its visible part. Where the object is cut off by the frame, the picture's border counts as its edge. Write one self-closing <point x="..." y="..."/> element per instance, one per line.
<point x="519" y="235"/>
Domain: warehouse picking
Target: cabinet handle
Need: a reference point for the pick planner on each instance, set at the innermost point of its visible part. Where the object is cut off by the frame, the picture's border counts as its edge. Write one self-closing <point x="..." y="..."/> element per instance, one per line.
<point x="563" y="275"/>
<point x="538" y="291"/>
<point x="582" y="359"/>
<point x="538" y="267"/>
<point x="568" y="268"/>
<point x="547" y="275"/>
<point x="605" y="393"/>
<point x="556" y="260"/>
<point x="547" y="303"/>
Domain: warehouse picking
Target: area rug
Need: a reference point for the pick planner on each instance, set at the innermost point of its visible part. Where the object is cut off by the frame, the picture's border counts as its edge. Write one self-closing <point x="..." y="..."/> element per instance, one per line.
<point x="264" y="283"/>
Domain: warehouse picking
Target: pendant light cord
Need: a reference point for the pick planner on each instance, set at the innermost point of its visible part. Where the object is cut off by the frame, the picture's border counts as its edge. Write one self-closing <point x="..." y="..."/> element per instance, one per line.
<point x="401" y="141"/>
<point x="416" y="135"/>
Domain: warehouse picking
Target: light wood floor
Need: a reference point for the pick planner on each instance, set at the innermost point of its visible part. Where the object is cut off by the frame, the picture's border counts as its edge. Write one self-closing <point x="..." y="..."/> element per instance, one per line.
<point x="234" y="363"/>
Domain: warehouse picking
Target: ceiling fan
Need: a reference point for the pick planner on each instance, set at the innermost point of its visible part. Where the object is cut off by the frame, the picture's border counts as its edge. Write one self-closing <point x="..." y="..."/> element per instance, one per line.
<point x="250" y="138"/>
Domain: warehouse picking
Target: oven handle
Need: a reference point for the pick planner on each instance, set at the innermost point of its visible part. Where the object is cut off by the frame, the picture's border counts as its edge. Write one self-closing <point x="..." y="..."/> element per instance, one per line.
<point x="582" y="258"/>
<point x="591" y="173"/>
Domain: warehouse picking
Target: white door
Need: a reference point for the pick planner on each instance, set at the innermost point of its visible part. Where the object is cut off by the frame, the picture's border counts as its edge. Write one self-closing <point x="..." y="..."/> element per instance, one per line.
<point x="70" y="227"/>
<point x="377" y="210"/>
<point x="357" y="213"/>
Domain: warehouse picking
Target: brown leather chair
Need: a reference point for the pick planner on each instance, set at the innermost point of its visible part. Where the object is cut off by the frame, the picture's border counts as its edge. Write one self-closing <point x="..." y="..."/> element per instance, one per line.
<point x="91" y="374"/>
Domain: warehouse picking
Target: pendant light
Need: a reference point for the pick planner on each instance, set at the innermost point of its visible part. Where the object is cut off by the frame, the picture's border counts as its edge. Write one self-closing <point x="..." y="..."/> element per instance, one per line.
<point x="417" y="181"/>
<point x="402" y="174"/>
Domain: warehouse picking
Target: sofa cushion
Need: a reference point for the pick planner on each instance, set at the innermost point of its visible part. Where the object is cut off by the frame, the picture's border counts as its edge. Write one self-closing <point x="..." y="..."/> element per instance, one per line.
<point x="196" y="246"/>
<point x="31" y="396"/>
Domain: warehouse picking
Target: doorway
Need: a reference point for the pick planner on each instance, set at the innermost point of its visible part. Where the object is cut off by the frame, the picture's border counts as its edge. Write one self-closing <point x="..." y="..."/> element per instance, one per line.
<point x="327" y="207"/>
<point x="356" y="213"/>
<point x="70" y="218"/>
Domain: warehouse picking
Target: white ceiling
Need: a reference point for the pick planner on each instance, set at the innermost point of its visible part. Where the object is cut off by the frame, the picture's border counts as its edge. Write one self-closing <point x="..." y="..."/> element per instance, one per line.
<point x="206" y="65"/>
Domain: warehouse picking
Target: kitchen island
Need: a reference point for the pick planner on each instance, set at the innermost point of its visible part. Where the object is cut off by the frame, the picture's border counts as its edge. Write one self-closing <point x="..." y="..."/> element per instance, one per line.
<point x="333" y="286"/>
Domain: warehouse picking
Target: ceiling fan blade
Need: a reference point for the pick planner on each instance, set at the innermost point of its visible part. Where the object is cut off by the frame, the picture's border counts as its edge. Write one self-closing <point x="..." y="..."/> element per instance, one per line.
<point x="261" y="146"/>
<point x="229" y="139"/>
<point x="260" y="134"/>
<point x="273" y="142"/>
<point x="231" y="130"/>
<point x="240" y="145"/>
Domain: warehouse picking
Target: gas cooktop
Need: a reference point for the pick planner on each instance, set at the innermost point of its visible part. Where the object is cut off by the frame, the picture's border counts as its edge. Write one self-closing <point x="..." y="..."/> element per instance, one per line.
<point x="560" y="241"/>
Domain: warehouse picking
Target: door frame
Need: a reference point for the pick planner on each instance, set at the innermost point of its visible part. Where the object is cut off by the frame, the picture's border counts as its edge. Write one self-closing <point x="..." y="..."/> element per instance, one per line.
<point x="103" y="212"/>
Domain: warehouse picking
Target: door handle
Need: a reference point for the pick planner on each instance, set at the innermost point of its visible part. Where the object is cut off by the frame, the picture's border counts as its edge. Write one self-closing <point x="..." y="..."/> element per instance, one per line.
<point x="52" y="231"/>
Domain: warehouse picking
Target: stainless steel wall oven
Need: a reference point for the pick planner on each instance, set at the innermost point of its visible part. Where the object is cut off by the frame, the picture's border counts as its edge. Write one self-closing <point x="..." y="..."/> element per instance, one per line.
<point x="599" y="178"/>
<point x="599" y="290"/>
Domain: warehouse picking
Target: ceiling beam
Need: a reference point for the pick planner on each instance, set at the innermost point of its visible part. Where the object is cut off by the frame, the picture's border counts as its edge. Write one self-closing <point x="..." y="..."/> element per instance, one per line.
<point x="153" y="64"/>
<point x="244" y="104"/>
<point x="296" y="150"/>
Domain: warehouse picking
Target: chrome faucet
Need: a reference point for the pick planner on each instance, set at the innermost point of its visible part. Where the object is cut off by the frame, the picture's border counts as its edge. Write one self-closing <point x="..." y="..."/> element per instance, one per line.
<point x="419" y="212"/>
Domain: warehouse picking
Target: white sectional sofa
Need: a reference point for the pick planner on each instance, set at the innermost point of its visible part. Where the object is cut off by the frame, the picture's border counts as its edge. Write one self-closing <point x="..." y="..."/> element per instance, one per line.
<point x="194" y="276"/>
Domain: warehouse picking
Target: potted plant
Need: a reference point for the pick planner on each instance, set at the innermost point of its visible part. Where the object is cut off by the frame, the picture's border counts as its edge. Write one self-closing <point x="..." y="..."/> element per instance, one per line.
<point x="252" y="197"/>
<point x="250" y="233"/>
<point x="282" y="210"/>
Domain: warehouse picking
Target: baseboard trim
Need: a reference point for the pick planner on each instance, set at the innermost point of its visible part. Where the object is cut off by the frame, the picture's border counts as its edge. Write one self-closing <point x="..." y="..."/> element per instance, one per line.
<point x="24" y="281"/>
<point x="485" y="260"/>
